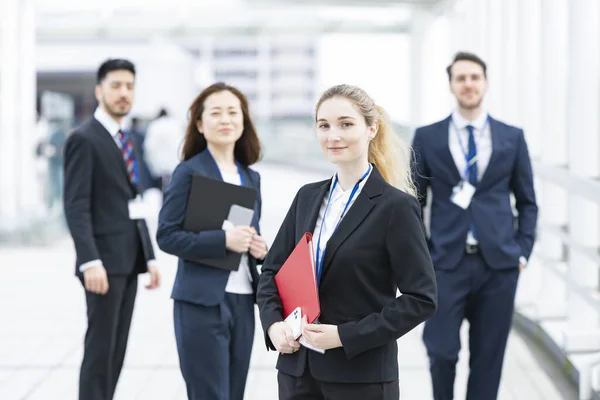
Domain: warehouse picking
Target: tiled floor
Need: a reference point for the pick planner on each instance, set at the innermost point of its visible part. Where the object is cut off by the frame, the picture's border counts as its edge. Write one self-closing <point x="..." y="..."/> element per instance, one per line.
<point x="42" y="322"/>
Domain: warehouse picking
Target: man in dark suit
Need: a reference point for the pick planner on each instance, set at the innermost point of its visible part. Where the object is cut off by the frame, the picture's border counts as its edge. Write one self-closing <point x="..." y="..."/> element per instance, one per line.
<point x="106" y="221"/>
<point x="472" y="164"/>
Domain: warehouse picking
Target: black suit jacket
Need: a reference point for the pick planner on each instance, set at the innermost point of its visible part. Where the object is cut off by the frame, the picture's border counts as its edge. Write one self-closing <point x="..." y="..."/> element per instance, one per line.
<point x="97" y="190"/>
<point x="379" y="246"/>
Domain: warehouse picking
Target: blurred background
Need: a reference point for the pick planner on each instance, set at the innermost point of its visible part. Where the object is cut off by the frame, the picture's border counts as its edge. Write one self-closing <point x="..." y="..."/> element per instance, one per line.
<point x="543" y="61"/>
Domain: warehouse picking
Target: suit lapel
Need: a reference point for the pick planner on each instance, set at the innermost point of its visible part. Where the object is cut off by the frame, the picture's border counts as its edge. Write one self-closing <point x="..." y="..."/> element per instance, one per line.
<point x="210" y="165"/>
<point x="355" y="215"/>
<point x="247" y="178"/>
<point x="445" y="156"/>
<point x="248" y="182"/>
<point x="315" y="206"/>
<point x="496" y="144"/>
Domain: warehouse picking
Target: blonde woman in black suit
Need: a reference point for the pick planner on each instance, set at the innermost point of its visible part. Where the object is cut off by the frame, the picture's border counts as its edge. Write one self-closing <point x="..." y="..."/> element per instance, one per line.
<point x="369" y="241"/>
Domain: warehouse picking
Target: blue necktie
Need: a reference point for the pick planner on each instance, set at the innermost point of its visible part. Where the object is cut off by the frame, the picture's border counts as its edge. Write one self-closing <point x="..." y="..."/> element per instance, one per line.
<point x="470" y="155"/>
<point x="472" y="152"/>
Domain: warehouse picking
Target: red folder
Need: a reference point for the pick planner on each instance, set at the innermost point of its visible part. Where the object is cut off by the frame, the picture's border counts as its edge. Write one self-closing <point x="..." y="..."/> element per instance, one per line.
<point x="296" y="281"/>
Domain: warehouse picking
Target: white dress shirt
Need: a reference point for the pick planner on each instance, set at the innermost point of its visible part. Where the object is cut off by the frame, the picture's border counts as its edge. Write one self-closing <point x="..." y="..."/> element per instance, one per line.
<point x="339" y="198"/>
<point x="113" y="128"/>
<point x="459" y="146"/>
<point x="483" y="142"/>
<point x="239" y="281"/>
<point x="109" y="124"/>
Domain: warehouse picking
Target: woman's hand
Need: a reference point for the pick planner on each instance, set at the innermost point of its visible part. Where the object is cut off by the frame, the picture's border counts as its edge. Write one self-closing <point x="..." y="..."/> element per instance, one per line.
<point x="321" y="336"/>
<point x="258" y="247"/>
<point x="238" y="238"/>
<point x="281" y="335"/>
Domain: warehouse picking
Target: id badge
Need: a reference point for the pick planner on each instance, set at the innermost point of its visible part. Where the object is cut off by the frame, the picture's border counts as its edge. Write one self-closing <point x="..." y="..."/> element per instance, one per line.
<point x="137" y="208"/>
<point x="462" y="194"/>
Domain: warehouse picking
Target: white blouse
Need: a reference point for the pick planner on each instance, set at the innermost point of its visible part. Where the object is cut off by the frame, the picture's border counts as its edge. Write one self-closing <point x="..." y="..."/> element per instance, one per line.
<point x="239" y="281"/>
<point x="339" y="198"/>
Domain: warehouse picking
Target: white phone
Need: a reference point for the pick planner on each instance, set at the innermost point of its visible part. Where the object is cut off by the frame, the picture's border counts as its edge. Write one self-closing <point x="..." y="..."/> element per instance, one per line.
<point x="294" y="320"/>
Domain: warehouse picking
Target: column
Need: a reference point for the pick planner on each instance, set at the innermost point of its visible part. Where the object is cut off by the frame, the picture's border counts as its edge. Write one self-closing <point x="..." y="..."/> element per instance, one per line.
<point x="17" y="115"/>
<point x="511" y="74"/>
<point x="553" y="95"/>
<point x="421" y="23"/>
<point x="529" y="57"/>
<point x="481" y="34"/>
<point x="9" y="89"/>
<point x="538" y="284"/>
<point x="495" y="96"/>
<point x="583" y="143"/>
<point x="465" y="26"/>
<point x="29" y="191"/>
<point x="469" y="27"/>
<point x="584" y="104"/>
<point x="552" y="199"/>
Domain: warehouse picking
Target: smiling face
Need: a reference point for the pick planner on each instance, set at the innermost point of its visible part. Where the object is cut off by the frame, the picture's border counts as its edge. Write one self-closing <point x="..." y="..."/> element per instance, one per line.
<point x="468" y="84"/>
<point x="222" y="120"/>
<point x="115" y="93"/>
<point x="342" y="131"/>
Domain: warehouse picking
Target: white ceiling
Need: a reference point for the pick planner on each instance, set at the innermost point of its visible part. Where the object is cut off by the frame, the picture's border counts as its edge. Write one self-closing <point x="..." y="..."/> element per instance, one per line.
<point x="189" y="19"/>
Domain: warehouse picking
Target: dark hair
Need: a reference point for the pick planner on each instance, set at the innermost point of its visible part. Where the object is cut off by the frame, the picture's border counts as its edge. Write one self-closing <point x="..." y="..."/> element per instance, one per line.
<point x="247" y="149"/>
<point x="162" y="113"/>
<point x="135" y="122"/>
<point x="464" y="56"/>
<point x="111" y="65"/>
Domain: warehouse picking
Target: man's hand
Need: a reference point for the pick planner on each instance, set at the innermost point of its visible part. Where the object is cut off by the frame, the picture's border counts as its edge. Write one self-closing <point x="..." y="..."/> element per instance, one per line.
<point x="154" y="277"/>
<point x="521" y="267"/>
<point x="321" y="336"/>
<point x="281" y="335"/>
<point x="96" y="280"/>
<point x="258" y="247"/>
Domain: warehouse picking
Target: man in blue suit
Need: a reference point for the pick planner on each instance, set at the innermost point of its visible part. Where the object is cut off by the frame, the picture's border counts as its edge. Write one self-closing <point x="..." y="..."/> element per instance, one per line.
<point x="473" y="163"/>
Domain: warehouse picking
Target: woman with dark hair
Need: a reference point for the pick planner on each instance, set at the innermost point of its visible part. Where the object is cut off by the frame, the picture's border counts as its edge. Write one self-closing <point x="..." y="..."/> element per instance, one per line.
<point x="214" y="308"/>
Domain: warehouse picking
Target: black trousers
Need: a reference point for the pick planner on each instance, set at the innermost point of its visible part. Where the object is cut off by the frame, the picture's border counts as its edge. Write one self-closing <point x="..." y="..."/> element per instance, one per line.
<point x="214" y="345"/>
<point x="308" y="388"/>
<point x="109" y="319"/>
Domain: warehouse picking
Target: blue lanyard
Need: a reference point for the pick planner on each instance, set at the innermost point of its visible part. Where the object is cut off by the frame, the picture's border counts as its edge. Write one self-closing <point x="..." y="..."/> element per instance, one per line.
<point x="465" y="153"/>
<point x="238" y="165"/>
<point x="321" y="257"/>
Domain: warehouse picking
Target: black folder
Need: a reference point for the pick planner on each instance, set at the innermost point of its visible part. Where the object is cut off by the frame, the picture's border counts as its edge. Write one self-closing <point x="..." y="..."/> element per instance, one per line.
<point x="208" y="206"/>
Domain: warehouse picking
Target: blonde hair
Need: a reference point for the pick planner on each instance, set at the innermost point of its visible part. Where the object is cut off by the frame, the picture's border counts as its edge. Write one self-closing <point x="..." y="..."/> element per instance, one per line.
<point x="387" y="151"/>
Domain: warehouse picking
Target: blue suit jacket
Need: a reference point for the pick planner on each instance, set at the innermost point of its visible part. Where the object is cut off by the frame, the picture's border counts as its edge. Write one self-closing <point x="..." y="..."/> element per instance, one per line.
<point x="197" y="283"/>
<point x="502" y="237"/>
